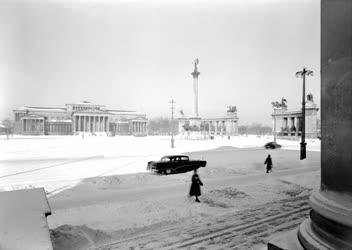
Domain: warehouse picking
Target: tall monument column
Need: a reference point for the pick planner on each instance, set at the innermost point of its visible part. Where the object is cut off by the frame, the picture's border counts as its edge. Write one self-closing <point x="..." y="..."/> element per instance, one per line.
<point x="195" y="75"/>
<point x="330" y="222"/>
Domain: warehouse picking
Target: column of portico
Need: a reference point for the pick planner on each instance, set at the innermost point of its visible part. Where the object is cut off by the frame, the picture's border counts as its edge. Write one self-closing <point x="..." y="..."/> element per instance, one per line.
<point x="96" y="123"/>
<point x="79" y="123"/>
<point x="223" y="127"/>
<point x="102" y="123"/>
<point x="88" y="123"/>
<point x="297" y="124"/>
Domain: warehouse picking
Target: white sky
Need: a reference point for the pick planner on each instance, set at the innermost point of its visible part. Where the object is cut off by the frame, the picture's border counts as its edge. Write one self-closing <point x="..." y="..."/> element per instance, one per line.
<point x="138" y="54"/>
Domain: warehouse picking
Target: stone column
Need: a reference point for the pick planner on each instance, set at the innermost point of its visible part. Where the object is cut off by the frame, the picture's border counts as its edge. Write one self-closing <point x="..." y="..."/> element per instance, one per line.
<point x="80" y="123"/>
<point x="99" y="124"/>
<point x="195" y="75"/>
<point x="330" y="222"/>
<point x="102" y="124"/>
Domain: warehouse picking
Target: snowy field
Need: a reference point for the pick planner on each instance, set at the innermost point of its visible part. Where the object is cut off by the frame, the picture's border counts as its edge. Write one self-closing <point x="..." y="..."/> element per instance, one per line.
<point x="59" y="162"/>
<point x="101" y="196"/>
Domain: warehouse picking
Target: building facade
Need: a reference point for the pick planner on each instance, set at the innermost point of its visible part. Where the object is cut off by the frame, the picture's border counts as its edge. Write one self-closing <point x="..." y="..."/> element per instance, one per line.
<point x="289" y="123"/>
<point x="79" y="118"/>
<point x="226" y="125"/>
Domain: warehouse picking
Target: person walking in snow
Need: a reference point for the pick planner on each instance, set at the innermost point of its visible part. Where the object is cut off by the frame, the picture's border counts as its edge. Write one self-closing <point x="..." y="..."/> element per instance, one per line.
<point x="195" y="187"/>
<point x="269" y="164"/>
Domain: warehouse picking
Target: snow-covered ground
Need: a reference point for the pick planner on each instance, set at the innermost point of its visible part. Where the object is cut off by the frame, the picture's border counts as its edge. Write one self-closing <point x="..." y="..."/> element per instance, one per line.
<point x="101" y="195"/>
<point x="58" y="162"/>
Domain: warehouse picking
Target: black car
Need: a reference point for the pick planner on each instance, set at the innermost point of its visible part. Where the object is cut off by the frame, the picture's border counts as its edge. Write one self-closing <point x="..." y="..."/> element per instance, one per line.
<point x="175" y="164"/>
<point x="272" y="145"/>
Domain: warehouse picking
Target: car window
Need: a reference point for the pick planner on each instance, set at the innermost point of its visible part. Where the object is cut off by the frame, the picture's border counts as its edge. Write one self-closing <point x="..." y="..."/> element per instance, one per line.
<point x="184" y="158"/>
<point x="165" y="159"/>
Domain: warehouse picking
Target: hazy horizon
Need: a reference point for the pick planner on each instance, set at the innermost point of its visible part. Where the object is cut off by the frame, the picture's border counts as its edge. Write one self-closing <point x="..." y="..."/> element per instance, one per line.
<point x="137" y="55"/>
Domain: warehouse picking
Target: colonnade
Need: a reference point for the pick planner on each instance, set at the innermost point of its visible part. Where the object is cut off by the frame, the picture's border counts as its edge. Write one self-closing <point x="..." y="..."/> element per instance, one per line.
<point x="222" y="127"/>
<point x="33" y="125"/>
<point x="89" y="123"/>
<point x="288" y="124"/>
<point x="139" y="126"/>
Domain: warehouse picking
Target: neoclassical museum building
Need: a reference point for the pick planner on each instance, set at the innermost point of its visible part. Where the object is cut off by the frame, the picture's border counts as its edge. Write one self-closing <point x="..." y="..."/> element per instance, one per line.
<point x="289" y="123"/>
<point x="77" y="118"/>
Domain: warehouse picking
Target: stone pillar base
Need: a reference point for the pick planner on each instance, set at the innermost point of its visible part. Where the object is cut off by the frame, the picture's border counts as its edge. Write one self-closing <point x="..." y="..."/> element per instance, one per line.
<point x="330" y="223"/>
<point x="328" y="228"/>
<point x="286" y="241"/>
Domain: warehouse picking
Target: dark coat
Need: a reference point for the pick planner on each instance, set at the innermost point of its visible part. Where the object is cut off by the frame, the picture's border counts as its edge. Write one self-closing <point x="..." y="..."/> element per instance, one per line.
<point x="195" y="187"/>
<point x="268" y="162"/>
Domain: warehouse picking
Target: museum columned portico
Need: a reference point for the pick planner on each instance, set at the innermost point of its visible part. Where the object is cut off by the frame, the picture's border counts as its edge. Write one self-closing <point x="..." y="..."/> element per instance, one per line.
<point x="90" y="123"/>
<point x="83" y="117"/>
<point x="138" y="127"/>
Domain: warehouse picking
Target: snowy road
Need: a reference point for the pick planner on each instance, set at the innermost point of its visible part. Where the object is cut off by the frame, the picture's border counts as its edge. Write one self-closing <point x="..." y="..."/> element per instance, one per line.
<point x="141" y="208"/>
<point x="57" y="163"/>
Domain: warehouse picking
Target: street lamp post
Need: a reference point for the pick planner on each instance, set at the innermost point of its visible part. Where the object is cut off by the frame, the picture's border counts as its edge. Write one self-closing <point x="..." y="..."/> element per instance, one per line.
<point x="172" y="123"/>
<point x="303" y="73"/>
<point x="275" y="125"/>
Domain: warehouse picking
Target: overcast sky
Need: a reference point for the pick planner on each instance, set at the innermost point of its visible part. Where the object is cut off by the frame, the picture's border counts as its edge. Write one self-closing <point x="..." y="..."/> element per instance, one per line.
<point x="137" y="55"/>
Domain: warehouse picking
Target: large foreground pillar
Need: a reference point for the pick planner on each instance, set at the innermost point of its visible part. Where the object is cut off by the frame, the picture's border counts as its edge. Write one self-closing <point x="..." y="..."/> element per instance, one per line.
<point x="330" y="222"/>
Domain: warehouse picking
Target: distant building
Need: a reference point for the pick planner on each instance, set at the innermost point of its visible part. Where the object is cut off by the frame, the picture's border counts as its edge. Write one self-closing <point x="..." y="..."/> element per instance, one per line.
<point x="78" y="117"/>
<point x="226" y="124"/>
<point x="289" y="123"/>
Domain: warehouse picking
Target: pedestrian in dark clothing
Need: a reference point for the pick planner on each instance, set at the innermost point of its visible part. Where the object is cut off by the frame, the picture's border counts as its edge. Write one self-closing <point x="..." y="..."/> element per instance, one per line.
<point x="195" y="187"/>
<point x="269" y="164"/>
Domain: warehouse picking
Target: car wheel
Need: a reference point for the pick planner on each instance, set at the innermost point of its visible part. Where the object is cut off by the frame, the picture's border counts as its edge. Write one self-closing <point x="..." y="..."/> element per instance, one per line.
<point x="168" y="171"/>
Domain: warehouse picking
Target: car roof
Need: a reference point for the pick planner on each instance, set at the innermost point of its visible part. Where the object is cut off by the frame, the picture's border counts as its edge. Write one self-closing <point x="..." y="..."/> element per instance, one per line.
<point x="172" y="156"/>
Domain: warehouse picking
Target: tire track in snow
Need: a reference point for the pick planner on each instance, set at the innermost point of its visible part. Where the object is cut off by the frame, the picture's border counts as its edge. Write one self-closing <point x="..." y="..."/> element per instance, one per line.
<point x="229" y="231"/>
